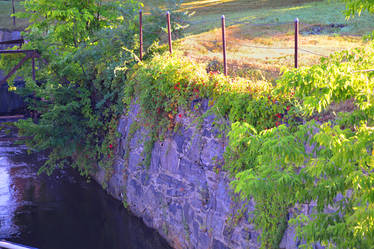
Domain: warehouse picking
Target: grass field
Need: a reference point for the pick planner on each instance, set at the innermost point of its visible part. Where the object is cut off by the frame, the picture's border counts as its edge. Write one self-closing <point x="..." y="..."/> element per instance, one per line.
<point x="254" y="28"/>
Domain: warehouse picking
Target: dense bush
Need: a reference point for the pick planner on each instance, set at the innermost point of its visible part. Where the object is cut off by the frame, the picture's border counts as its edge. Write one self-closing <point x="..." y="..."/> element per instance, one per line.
<point x="330" y="163"/>
<point x="86" y="48"/>
<point x="166" y="85"/>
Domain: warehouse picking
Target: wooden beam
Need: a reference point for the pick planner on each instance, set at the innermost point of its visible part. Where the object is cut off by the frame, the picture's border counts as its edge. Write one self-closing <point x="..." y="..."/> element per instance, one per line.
<point x="17" y="51"/>
<point x="12" y="117"/>
<point x="18" y="41"/>
<point x="24" y="59"/>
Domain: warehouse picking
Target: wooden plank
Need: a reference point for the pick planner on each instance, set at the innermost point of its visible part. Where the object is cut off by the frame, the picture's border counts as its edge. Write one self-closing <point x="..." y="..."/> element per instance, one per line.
<point x="12" y="117"/>
<point x="18" y="41"/>
<point x="18" y="51"/>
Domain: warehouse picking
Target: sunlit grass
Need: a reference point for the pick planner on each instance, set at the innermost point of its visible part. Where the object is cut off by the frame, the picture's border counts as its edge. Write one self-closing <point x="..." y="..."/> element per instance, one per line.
<point x="250" y="26"/>
<point x="256" y="29"/>
<point x="324" y="12"/>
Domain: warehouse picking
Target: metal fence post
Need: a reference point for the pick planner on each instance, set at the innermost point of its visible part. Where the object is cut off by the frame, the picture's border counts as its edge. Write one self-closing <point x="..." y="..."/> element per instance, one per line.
<point x="14" y="11"/>
<point x="169" y="32"/>
<point x="140" y="34"/>
<point x="224" y="45"/>
<point x="296" y="41"/>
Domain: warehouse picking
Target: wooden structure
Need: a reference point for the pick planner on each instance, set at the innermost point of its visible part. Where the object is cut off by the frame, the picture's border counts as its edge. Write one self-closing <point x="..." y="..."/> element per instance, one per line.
<point x="29" y="54"/>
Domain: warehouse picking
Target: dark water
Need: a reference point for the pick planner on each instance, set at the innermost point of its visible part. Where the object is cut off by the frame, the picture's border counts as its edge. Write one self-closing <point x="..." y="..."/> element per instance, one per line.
<point x="62" y="211"/>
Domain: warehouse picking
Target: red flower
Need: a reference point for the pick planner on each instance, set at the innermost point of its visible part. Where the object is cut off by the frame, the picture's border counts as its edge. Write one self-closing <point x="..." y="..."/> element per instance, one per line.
<point x="108" y="155"/>
<point x="277" y="124"/>
<point x="180" y="115"/>
<point x="288" y="108"/>
<point x="110" y="146"/>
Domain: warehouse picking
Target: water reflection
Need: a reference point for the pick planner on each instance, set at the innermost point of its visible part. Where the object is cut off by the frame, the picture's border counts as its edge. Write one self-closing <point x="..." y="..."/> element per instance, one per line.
<point x="63" y="211"/>
<point x="6" y="204"/>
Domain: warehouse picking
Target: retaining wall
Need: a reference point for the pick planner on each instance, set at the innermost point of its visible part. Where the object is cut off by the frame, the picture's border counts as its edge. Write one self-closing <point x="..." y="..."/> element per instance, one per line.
<point x="184" y="193"/>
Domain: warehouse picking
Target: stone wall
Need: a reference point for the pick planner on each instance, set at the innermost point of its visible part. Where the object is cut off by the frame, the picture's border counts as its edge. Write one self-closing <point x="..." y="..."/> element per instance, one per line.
<point x="183" y="194"/>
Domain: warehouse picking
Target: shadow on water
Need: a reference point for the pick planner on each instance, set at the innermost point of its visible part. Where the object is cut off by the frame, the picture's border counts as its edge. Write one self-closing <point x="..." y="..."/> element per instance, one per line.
<point x="63" y="211"/>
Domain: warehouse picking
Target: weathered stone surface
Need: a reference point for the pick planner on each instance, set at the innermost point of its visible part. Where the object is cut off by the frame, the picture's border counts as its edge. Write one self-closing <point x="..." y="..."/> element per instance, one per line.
<point x="288" y="240"/>
<point x="181" y="193"/>
<point x="219" y="245"/>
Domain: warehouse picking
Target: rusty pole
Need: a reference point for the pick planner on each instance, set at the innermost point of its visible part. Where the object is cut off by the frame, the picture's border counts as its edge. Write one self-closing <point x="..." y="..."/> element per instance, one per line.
<point x="224" y="45"/>
<point x="14" y="11"/>
<point x="169" y="32"/>
<point x="140" y="34"/>
<point x="296" y="41"/>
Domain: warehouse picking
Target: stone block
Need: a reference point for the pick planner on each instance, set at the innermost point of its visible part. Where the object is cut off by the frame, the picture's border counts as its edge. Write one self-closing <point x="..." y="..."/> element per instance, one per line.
<point x="169" y="159"/>
<point x="135" y="162"/>
<point x="212" y="153"/>
<point x="204" y="240"/>
<point x="193" y="151"/>
<point x="182" y="138"/>
<point x="219" y="245"/>
<point x="288" y="240"/>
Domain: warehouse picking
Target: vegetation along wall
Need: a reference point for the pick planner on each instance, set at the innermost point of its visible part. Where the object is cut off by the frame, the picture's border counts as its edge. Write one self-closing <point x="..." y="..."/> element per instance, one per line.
<point x="184" y="149"/>
<point x="209" y="161"/>
<point x="183" y="192"/>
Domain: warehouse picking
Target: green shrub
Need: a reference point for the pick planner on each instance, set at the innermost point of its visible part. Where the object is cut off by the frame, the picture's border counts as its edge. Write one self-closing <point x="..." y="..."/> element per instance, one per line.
<point x="336" y="172"/>
<point x="86" y="49"/>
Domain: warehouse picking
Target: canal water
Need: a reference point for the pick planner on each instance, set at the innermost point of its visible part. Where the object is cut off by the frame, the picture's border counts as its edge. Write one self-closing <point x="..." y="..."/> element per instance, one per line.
<point x="62" y="211"/>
